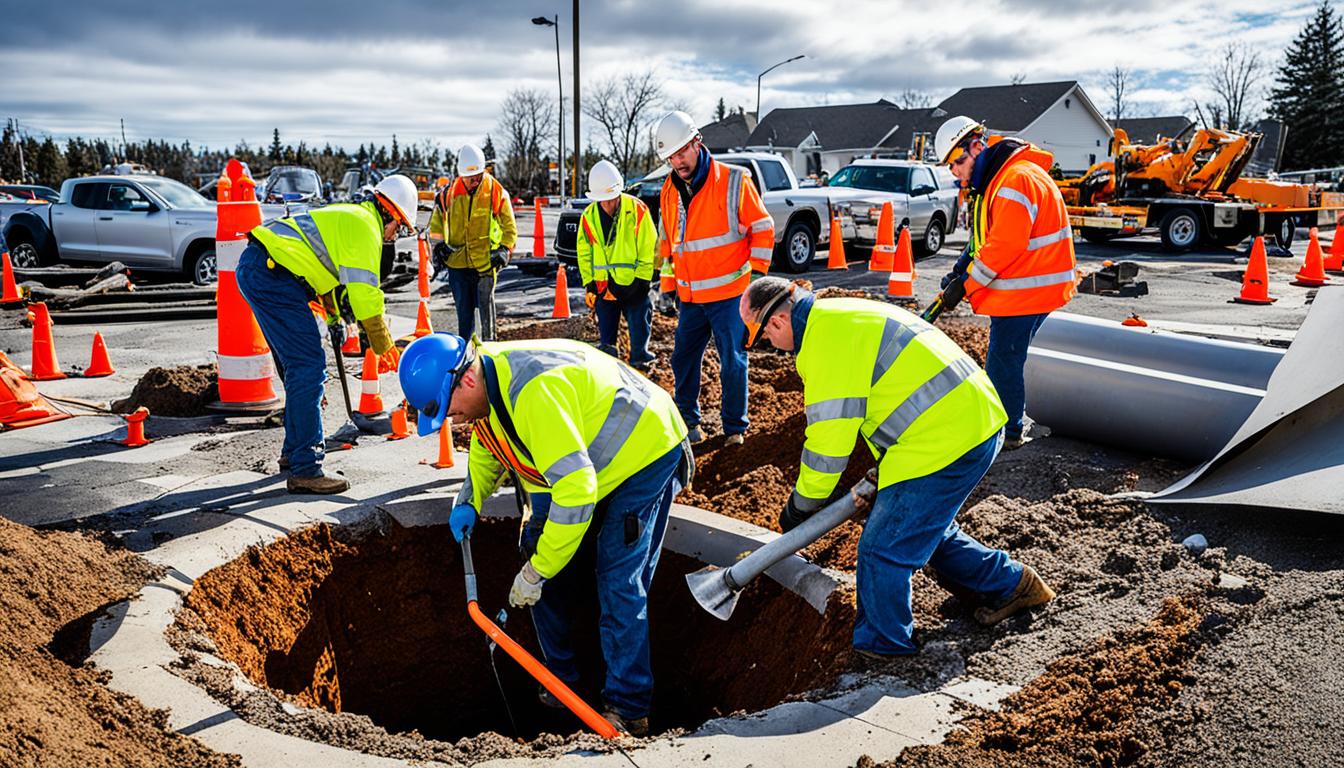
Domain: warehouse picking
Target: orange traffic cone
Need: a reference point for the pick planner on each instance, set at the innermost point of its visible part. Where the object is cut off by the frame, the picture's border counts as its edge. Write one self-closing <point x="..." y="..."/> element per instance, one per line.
<point x="21" y="405"/>
<point x="422" y="326"/>
<point x="424" y="268"/>
<point x="399" y="428"/>
<point x="44" y="366"/>
<point x="1255" y="282"/>
<point x="561" y="309"/>
<point x="884" y="252"/>
<point x="901" y="283"/>
<point x="836" y="258"/>
<point x="539" y="235"/>
<point x="135" y="428"/>
<point x="445" y="446"/>
<point x="1335" y="261"/>
<point x="351" y="345"/>
<point x="244" y="359"/>
<point x="99" y="362"/>
<point x="1312" y="273"/>
<point x="371" y="397"/>
<point x="11" y="293"/>
<point x="1134" y="321"/>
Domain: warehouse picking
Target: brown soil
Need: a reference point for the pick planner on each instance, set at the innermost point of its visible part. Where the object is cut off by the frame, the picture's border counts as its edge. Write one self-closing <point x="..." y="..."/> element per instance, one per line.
<point x="53" y="711"/>
<point x="374" y="623"/>
<point x="182" y="391"/>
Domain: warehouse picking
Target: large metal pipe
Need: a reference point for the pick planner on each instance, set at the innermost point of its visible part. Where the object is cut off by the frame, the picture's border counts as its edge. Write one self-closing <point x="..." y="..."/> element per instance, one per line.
<point x="1150" y="391"/>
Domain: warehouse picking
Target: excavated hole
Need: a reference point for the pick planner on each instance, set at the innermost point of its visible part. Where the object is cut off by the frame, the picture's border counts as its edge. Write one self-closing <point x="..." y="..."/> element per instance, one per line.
<point x="375" y="622"/>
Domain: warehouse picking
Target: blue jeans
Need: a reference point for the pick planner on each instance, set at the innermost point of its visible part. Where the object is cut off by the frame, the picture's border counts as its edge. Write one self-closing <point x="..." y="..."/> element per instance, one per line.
<point x="280" y="304"/>
<point x="639" y="318"/>
<point x="472" y="291"/>
<point x="1009" y="338"/>
<point x="912" y="523"/>
<point x="622" y="556"/>
<point x="695" y="324"/>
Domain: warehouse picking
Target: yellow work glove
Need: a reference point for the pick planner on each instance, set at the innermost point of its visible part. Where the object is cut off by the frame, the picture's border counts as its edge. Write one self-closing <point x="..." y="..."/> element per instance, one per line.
<point x="380" y="338"/>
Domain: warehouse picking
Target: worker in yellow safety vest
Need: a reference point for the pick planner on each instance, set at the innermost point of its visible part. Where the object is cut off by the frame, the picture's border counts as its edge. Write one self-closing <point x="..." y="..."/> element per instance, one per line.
<point x="602" y="452"/>
<point x="933" y="423"/>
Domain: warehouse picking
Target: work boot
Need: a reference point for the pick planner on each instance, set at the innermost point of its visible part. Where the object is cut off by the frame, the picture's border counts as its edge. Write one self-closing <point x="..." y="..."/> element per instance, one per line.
<point x="632" y="726"/>
<point x="548" y="699"/>
<point x="1031" y="591"/>
<point x="321" y="485"/>
<point x="1011" y="443"/>
<point x="283" y="462"/>
<point x="695" y="435"/>
<point x="736" y="439"/>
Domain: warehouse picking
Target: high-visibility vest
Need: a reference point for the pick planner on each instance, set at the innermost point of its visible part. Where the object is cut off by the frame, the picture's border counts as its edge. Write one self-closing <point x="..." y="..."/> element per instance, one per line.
<point x="585" y="423"/>
<point x="630" y="254"/>
<point x="874" y="370"/>
<point x="336" y="245"/>
<point x="712" y="248"/>
<point x="475" y="223"/>
<point x="1022" y="244"/>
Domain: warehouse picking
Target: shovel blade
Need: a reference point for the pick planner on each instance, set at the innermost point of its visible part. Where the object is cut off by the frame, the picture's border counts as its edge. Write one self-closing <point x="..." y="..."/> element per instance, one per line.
<point x="372" y="425"/>
<point x="710" y="589"/>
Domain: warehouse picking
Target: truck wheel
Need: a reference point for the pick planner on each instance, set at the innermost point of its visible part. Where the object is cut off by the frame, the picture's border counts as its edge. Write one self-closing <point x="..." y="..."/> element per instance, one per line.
<point x="932" y="242"/>
<point x="1180" y="230"/>
<point x="1285" y="231"/>
<point x="23" y="254"/>
<point x="204" y="267"/>
<point x="795" y="253"/>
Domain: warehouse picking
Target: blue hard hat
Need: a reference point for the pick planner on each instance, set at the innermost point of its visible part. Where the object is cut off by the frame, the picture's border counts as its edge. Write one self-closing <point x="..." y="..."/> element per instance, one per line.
<point x="428" y="370"/>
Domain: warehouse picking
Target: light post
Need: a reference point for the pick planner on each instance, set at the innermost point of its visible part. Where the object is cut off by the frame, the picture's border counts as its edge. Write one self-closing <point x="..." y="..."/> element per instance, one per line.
<point x="554" y="23"/>
<point x="763" y="74"/>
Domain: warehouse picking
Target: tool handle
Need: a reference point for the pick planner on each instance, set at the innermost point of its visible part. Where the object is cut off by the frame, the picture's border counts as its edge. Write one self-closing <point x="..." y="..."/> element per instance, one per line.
<point x="537" y="670"/>
<point x="469" y="569"/>
<point x="340" y="372"/>
<point x="931" y="313"/>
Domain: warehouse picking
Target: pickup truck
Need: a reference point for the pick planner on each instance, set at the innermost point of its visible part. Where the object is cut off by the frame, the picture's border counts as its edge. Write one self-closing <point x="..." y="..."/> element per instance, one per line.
<point x="923" y="197"/>
<point x="802" y="216"/>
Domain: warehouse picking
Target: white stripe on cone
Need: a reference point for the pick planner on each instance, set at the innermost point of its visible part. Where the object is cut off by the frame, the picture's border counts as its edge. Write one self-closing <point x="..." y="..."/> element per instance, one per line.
<point x="369" y="387"/>
<point x="249" y="368"/>
<point x="227" y="253"/>
<point x="900" y="277"/>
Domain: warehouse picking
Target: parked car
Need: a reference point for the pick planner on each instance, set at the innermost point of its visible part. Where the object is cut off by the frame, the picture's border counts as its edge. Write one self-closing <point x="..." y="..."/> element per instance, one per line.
<point x="291" y="184"/>
<point x="922" y="196"/>
<point x="150" y="223"/>
<point x="35" y="192"/>
<point x="354" y="179"/>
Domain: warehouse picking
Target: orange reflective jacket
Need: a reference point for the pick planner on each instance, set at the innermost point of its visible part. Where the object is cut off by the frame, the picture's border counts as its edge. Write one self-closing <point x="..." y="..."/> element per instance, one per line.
<point x="1021" y="241"/>
<point x="714" y="246"/>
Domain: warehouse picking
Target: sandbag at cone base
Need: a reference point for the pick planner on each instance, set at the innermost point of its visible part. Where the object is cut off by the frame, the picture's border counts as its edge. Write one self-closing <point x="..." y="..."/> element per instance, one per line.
<point x="21" y="405"/>
<point x="835" y="257"/>
<point x="100" y="364"/>
<point x="1312" y="273"/>
<point x="1255" y="282"/>
<point x="44" y="366"/>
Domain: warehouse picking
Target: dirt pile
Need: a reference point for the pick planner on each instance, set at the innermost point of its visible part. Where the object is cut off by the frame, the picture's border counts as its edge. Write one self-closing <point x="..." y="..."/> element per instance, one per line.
<point x="53" y="713"/>
<point x="182" y="391"/>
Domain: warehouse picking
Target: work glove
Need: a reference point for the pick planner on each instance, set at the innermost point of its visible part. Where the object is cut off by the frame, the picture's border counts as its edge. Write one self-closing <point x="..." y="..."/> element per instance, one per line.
<point x="499" y="258"/>
<point x="441" y="254"/>
<point x="526" y="587"/>
<point x="590" y="294"/>
<point x="461" y="520"/>
<point x="863" y="502"/>
<point x="791" y="516"/>
<point x="389" y="360"/>
<point x="637" y="292"/>
<point x="954" y="290"/>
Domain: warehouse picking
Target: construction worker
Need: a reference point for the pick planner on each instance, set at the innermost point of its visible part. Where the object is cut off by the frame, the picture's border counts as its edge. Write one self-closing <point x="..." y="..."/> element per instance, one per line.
<point x="334" y="254"/>
<point x="616" y="248"/>
<point x="602" y="452"/>
<point x="1019" y="264"/>
<point x="474" y="233"/>
<point x="933" y="421"/>
<point x="713" y="233"/>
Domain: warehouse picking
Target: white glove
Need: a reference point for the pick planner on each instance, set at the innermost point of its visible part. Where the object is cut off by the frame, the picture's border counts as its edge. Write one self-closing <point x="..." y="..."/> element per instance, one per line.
<point x="526" y="587"/>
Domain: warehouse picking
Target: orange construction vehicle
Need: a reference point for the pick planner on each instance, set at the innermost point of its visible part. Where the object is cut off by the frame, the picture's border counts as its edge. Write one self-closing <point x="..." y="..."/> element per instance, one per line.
<point x="1191" y="192"/>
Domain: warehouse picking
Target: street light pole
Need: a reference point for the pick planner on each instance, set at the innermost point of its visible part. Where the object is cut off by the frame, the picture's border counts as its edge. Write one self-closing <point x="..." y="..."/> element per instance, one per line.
<point x="554" y="23"/>
<point x="763" y="74"/>
<point x="578" y="141"/>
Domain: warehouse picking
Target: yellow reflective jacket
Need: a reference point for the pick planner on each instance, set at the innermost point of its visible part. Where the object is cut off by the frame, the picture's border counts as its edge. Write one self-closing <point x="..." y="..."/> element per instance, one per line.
<point x="875" y="370"/>
<point x="336" y="245"/>
<point x="584" y="423"/>
<point x="475" y="222"/>
<point x="631" y="253"/>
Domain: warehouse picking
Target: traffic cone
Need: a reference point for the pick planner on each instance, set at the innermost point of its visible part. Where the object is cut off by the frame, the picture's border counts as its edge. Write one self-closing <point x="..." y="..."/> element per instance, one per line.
<point x="351" y="345"/>
<point x="901" y="283"/>
<point x="1312" y="273"/>
<point x="1335" y="261"/>
<point x="561" y="309"/>
<point x="11" y="289"/>
<point x="539" y="235"/>
<point x="21" y="405"/>
<point x="371" y="397"/>
<point x="836" y="257"/>
<point x="422" y="326"/>
<point x="135" y="428"/>
<point x="424" y="269"/>
<point x="884" y="252"/>
<point x="1255" y="282"/>
<point x="399" y="428"/>
<point x="445" y="446"/>
<point x="1134" y="321"/>
<point x="99" y="362"/>
<point x="44" y="366"/>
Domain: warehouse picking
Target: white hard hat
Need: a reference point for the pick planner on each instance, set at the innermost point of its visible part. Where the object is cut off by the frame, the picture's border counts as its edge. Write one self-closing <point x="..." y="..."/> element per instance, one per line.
<point x="604" y="181"/>
<point x="674" y="131"/>
<point x="951" y="133"/>
<point x="470" y="160"/>
<point x="400" y="192"/>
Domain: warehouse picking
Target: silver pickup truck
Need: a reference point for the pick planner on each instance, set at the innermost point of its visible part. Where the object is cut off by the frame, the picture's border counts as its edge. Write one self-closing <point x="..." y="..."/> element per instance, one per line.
<point x="922" y="196"/>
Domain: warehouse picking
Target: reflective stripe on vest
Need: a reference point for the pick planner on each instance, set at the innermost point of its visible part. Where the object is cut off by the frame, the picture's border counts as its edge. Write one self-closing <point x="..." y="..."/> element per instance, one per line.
<point x="307" y="232"/>
<point x="499" y="448"/>
<point x="564" y="515"/>
<point x="1063" y="233"/>
<point x="987" y="278"/>
<point x="566" y="465"/>
<point x="1008" y="193"/>
<point x="830" y="465"/>
<point x="716" y="282"/>
<point x="921" y="400"/>
<point x="895" y="338"/>
<point x="836" y="408"/>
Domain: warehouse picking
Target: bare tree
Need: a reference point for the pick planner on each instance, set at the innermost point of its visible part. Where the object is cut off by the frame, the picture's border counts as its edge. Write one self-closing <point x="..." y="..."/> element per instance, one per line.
<point x="526" y="120"/>
<point x="1018" y="78"/>
<point x="624" y="108"/>
<point x="912" y="98"/>
<point x="1117" y="82"/>
<point x="1234" y="78"/>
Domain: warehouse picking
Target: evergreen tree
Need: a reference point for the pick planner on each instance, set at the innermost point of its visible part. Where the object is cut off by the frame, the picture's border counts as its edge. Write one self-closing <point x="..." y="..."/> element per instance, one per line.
<point x="396" y="150"/>
<point x="488" y="149"/>
<point x="1310" y="96"/>
<point x="721" y="111"/>
<point x="275" y="154"/>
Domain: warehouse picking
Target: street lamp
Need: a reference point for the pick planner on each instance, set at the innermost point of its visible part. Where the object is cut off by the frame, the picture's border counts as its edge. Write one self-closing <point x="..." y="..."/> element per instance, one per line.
<point x="554" y="23"/>
<point x="763" y="74"/>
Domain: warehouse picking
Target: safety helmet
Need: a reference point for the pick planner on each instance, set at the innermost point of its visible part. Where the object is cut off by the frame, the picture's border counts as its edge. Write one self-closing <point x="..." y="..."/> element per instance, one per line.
<point x="441" y="182"/>
<point x="429" y="370"/>
<point x="674" y="131"/>
<point x="470" y="160"/>
<point x="604" y="181"/>
<point x="951" y="134"/>
<point x="398" y="193"/>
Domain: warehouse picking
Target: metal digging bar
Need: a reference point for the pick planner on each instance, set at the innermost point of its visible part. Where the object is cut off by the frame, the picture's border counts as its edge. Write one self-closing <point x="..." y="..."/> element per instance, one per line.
<point x="717" y="589"/>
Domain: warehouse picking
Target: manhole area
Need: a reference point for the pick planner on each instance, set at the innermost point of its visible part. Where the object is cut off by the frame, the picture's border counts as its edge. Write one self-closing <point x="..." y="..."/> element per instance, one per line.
<point x="375" y="623"/>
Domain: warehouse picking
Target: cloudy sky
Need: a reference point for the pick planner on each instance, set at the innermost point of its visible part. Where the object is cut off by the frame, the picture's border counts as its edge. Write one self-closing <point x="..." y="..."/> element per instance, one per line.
<point x="342" y="72"/>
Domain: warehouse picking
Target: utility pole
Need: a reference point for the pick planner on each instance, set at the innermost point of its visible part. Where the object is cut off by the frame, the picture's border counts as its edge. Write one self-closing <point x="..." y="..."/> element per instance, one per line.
<point x="23" y="169"/>
<point x="578" y="140"/>
<point x="763" y="74"/>
<point x="123" y="141"/>
<point x="560" y="170"/>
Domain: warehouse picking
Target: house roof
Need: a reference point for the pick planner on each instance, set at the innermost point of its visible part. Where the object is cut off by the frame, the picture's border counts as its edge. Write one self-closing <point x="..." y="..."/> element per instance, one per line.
<point x="1007" y="107"/>
<point x="729" y="133"/>
<point x="838" y="126"/>
<point x="1146" y="130"/>
<point x="912" y="121"/>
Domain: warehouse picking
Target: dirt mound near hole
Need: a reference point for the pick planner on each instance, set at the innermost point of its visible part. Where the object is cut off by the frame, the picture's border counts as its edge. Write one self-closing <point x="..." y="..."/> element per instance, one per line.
<point x="181" y="391"/>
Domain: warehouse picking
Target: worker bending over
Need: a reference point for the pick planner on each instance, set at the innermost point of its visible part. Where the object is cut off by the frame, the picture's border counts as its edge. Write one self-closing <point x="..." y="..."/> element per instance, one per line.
<point x="602" y="452"/>
<point x="933" y="422"/>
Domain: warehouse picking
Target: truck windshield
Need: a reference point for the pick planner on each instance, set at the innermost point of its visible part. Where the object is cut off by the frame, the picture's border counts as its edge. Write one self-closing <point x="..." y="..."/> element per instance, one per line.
<point x="292" y="183"/>
<point x="883" y="178"/>
<point x="177" y="194"/>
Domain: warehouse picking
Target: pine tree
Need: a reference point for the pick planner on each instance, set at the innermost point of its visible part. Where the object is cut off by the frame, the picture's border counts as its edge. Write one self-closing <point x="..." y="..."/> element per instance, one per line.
<point x="488" y="149"/>
<point x="721" y="111"/>
<point x="396" y="150"/>
<point x="276" y="150"/>
<point x="1310" y="96"/>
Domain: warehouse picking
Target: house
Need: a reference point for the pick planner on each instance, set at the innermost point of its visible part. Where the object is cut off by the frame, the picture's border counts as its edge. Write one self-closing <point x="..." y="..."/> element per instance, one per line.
<point x="1055" y="116"/>
<point x="730" y="133"/>
<point x="1147" y="130"/>
<point x="827" y="138"/>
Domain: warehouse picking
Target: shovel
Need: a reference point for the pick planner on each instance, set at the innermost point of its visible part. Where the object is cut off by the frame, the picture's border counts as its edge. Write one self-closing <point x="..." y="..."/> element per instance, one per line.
<point x="356" y="423"/>
<point x="717" y="589"/>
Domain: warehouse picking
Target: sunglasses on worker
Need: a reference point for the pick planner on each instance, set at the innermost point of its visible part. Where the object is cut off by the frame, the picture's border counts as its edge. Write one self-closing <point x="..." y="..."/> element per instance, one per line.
<point x="754" y="328"/>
